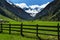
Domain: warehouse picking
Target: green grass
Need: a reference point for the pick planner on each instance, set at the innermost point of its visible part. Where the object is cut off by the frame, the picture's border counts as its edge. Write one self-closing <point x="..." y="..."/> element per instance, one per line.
<point x="13" y="37"/>
<point x="17" y="35"/>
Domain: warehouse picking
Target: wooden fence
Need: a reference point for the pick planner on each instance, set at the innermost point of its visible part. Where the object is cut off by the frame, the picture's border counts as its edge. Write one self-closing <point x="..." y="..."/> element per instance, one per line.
<point x="37" y="29"/>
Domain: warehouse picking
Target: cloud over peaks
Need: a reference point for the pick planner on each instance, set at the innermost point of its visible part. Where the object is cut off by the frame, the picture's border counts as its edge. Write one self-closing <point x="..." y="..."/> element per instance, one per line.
<point x="22" y="5"/>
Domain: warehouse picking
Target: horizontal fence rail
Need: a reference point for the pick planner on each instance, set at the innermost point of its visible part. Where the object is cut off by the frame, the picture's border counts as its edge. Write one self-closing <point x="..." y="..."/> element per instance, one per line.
<point x="35" y="27"/>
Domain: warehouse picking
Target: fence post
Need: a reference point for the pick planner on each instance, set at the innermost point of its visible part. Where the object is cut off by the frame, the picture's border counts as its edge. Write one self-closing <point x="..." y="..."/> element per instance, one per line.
<point x="58" y="32"/>
<point x="9" y="28"/>
<point x="1" y="28"/>
<point x="21" y="29"/>
<point x="37" y="30"/>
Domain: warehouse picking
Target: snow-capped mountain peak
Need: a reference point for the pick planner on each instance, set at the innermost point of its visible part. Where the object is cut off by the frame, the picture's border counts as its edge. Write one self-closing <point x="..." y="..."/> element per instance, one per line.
<point x="44" y="5"/>
<point x="21" y="5"/>
<point x="31" y="9"/>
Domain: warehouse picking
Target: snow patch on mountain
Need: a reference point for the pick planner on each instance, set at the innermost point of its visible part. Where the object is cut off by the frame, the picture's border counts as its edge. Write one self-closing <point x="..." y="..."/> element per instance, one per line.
<point x="9" y="2"/>
<point x="31" y="9"/>
<point x="22" y="5"/>
<point x="32" y="12"/>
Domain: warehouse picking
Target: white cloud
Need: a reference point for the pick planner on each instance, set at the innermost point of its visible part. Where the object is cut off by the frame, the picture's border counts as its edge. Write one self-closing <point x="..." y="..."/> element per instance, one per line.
<point x="39" y="6"/>
<point x="22" y="5"/>
<point x="9" y="1"/>
<point x="34" y="6"/>
<point x="32" y="12"/>
<point x="44" y="5"/>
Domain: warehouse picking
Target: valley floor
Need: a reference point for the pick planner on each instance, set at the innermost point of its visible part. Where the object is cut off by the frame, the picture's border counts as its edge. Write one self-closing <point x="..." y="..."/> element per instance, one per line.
<point x="6" y="36"/>
<point x="17" y="36"/>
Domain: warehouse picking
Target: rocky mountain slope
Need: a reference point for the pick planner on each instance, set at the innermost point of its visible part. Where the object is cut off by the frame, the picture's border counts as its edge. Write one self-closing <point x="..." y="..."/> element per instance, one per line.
<point x="16" y="11"/>
<point x="50" y="12"/>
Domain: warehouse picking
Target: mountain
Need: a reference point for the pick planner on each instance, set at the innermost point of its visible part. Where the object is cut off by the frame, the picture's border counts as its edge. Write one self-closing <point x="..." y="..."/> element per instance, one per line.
<point x="15" y="10"/>
<point x="32" y="9"/>
<point x="50" y="12"/>
<point x="30" y="2"/>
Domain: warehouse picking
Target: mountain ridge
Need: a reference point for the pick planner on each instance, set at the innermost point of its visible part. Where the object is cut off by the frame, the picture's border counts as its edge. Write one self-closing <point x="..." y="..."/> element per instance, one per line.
<point x="31" y="9"/>
<point x="49" y="11"/>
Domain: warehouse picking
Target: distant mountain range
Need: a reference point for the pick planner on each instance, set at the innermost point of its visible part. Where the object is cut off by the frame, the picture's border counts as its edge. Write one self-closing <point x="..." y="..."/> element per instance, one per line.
<point x="50" y="12"/>
<point x="32" y="9"/>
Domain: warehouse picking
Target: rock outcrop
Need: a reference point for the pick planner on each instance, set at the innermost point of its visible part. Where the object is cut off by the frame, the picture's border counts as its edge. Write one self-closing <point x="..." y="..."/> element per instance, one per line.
<point x="53" y="7"/>
<point x="17" y="11"/>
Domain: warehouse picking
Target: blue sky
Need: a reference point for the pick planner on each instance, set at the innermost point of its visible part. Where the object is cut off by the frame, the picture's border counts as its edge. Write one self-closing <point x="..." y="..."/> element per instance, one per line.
<point x="31" y="2"/>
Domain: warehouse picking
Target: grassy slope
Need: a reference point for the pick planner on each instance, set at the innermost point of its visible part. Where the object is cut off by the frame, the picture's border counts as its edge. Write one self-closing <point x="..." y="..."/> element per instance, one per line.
<point x="9" y="13"/>
<point x="18" y="37"/>
<point x="7" y="19"/>
<point x="11" y="37"/>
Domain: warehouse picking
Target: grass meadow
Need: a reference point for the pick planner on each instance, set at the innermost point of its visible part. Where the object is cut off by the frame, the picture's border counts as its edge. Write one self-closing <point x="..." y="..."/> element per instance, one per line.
<point x="30" y="36"/>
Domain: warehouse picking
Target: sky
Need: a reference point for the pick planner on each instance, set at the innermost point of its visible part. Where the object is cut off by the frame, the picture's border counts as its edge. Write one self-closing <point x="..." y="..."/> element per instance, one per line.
<point x="31" y="2"/>
<point x="40" y="4"/>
